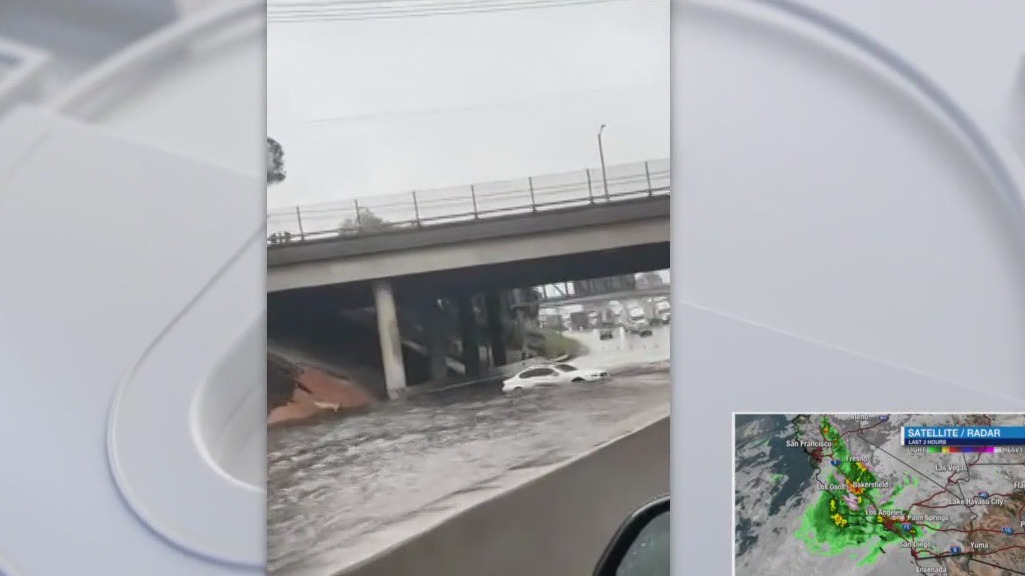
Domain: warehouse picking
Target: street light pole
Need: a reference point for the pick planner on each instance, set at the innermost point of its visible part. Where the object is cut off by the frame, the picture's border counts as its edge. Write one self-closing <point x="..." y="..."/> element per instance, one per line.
<point x="601" y="154"/>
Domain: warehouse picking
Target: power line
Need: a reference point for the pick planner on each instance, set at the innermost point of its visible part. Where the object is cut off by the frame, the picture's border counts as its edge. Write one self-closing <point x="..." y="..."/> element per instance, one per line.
<point x="341" y="12"/>
<point x="313" y="5"/>
<point x="399" y="13"/>
<point x="361" y="7"/>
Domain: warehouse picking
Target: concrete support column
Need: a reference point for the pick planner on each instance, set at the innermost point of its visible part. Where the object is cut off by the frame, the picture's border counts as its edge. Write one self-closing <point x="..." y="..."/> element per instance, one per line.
<point x="468" y="334"/>
<point x="391" y="341"/>
<point x="521" y="321"/>
<point x="435" y="330"/>
<point x="519" y="301"/>
<point x="496" y="327"/>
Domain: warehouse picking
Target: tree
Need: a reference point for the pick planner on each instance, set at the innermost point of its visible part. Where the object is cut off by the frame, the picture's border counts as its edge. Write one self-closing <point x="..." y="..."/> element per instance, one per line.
<point x="275" y="161"/>
<point x="365" y="221"/>
<point x="279" y="238"/>
<point x="650" y="280"/>
<point x="531" y="297"/>
<point x="282" y="380"/>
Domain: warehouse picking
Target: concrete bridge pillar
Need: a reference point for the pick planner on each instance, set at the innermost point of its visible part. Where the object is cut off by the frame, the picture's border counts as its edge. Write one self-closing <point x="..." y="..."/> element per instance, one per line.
<point x="521" y="322"/>
<point x="391" y="341"/>
<point x="496" y="329"/>
<point x="468" y="334"/>
<point x="436" y="333"/>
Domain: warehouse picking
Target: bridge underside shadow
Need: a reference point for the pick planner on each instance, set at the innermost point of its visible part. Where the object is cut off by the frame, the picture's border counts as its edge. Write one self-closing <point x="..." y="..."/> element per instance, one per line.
<point x="411" y="290"/>
<point x="317" y="305"/>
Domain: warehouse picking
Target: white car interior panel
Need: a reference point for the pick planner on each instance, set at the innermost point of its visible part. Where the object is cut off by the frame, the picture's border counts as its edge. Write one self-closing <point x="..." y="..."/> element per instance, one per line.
<point x="136" y="328"/>
<point x="834" y="191"/>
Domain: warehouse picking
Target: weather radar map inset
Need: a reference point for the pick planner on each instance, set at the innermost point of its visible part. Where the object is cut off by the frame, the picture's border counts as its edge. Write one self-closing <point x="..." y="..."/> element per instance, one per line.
<point x="879" y="494"/>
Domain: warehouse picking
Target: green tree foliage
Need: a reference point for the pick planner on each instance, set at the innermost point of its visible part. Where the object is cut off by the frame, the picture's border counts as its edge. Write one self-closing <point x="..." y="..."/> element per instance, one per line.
<point x="280" y="238"/>
<point x="281" y="381"/>
<point x="649" y="280"/>
<point x="275" y="161"/>
<point x="367" y="221"/>
<point x="532" y="298"/>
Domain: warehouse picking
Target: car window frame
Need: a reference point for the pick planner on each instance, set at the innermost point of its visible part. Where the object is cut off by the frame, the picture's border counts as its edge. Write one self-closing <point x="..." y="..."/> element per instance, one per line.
<point x="627" y="534"/>
<point x="542" y="373"/>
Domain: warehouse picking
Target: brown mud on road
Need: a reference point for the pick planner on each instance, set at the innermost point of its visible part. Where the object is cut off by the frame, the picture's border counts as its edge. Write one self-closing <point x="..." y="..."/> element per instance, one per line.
<point x="298" y="393"/>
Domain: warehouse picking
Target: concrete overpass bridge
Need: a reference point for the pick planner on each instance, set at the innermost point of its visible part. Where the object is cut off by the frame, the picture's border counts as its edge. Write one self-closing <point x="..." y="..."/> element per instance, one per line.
<point x="584" y="232"/>
<point x="637" y="294"/>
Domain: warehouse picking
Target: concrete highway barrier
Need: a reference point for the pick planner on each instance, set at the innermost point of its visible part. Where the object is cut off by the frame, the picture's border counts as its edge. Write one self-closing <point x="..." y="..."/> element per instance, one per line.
<point x="554" y="524"/>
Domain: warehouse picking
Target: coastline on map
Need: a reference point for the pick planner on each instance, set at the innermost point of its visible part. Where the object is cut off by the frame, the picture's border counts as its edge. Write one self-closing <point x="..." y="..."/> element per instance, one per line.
<point x="883" y="494"/>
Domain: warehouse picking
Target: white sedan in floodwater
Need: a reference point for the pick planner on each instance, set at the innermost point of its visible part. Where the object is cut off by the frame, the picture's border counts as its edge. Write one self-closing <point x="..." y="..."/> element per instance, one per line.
<point x="552" y="375"/>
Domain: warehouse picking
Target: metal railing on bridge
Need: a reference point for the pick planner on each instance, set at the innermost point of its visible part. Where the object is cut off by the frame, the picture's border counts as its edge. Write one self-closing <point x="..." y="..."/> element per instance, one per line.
<point x="382" y="214"/>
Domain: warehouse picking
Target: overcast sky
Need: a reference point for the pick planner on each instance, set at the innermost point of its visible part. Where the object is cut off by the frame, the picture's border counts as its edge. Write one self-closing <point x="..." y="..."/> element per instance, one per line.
<point x="372" y="107"/>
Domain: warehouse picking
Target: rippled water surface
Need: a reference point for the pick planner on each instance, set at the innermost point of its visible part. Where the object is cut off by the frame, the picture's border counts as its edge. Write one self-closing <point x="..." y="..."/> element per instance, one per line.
<point x="331" y="483"/>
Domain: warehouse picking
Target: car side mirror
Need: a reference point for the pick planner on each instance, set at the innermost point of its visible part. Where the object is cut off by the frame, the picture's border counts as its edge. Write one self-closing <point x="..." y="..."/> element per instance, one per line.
<point x="641" y="545"/>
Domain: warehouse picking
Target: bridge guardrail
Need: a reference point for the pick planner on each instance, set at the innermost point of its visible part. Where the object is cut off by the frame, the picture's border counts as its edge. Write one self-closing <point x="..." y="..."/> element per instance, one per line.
<point x="381" y="214"/>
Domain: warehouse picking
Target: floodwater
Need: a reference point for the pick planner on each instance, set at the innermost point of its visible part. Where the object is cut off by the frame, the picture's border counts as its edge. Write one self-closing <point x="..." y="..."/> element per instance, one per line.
<point x="331" y="484"/>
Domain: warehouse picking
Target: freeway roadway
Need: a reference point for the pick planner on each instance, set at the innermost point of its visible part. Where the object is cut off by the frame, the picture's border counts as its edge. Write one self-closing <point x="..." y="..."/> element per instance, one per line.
<point x="621" y="296"/>
<point x="339" y="492"/>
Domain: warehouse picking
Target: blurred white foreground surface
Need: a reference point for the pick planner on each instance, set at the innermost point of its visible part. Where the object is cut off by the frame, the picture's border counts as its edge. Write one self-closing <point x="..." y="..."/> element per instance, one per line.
<point x="834" y="193"/>
<point x="131" y="315"/>
<point x="848" y="232"/>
